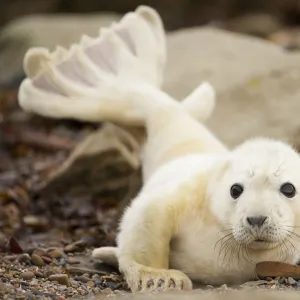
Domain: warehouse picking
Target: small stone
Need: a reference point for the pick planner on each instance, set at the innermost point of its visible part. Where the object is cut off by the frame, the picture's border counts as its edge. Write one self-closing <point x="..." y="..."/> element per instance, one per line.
<point x="62" y="288"/>
<point x="39" y="252"/>
<point x="24" y="258"/>
<point x="78" y="246"/>
<point x="107" y="291"/>
<point x="47" y="259"/>
<point x="37" y="223"/>
<point x="72" y="261"/>
<point x="61" y="261"/>
<point x="60" y="278"/>
<point x="96" y="291"/>
<point x="56" y="253"/>
<point x="10" y="258"/>
<point x="90" y="283"/>
<point x="37" y="260"/>
<point x="224" y="286"/>
<point x="269" y="279"/>
<point x="27" y="275"/>
<point x="282" y="280"/>
<point x="39" y="274"/>
<point x="81" y="271"/>
<point x="48" y="273"/>
<point x="82" y="278"/>
<point x="291" y="281"/>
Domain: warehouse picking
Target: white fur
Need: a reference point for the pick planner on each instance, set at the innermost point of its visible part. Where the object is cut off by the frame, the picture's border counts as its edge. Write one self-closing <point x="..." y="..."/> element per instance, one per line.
<point x="262" y="166"/>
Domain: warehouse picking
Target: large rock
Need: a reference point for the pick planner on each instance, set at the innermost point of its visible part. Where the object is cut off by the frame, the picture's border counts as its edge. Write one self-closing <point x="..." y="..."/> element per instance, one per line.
<point x="256" y="81"/>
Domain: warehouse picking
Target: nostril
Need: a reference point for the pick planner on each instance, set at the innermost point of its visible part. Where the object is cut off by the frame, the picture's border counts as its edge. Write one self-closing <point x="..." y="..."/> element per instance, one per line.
<point x="256" y="221"/>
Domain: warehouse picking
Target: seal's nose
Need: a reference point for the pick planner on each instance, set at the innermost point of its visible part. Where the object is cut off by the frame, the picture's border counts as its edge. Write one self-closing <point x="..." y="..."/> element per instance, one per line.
<point x="256" y="221"/>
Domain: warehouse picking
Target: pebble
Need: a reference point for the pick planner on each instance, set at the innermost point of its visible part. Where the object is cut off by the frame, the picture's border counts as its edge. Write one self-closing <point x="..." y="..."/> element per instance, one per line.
<point x="82" y="278"/>
<point x="96" y="290"/>
<point x="39" y="252"/>
<point x="47" y="259"/>
<point x="56" y="253"/>
<point x="97" y="279"/>
<point x="107" y="291"/>
<point x="27" y="275"/>
<point x="24" y="258"/>
<point x="72" y="261"/>
<point x="37" y="260"/>
<point x="90" y="283"/>
<point x="48" y="273"/>
<point x="60" y="278"/>
<point x="291" y="281"/>
<point x="78" y="246"/>
<point x="10" y="258"/>
<point x="282" y="280"/>
<point x="39" y="274"/>
<point x="81" y="271"/>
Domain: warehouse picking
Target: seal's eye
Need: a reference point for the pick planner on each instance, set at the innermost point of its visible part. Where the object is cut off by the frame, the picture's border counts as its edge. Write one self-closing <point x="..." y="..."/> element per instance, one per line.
<point x="288" y="190"/>
<point x="236" y="190"/>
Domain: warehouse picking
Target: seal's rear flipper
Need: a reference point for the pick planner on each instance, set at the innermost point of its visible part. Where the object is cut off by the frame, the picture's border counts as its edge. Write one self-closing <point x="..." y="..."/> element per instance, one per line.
<point x="103" y="78"/>
<point x="107" y="255"/>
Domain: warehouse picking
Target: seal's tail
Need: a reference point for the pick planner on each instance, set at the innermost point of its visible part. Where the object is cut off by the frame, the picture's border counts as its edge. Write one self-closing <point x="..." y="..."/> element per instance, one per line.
<point x="113" y="77"/>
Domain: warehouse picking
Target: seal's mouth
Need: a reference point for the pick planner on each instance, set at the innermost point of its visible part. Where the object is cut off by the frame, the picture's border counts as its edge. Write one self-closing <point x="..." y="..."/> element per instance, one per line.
<point x="260" y="241"/>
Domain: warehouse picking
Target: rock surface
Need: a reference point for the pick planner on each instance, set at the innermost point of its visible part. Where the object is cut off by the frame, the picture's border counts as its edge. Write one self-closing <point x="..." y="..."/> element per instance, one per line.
<point x="257" y="82"/>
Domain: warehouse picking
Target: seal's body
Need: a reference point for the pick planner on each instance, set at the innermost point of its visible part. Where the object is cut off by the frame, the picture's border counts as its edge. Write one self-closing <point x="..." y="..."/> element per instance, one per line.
<point x="204" y="213"/>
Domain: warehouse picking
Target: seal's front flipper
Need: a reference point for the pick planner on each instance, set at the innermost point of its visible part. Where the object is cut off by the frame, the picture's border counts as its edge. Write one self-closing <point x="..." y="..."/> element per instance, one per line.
<point x="107" y="255"/>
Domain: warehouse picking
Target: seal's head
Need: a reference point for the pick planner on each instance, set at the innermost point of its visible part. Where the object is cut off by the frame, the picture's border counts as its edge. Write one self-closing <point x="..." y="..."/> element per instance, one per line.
<point x="255" y="194"/>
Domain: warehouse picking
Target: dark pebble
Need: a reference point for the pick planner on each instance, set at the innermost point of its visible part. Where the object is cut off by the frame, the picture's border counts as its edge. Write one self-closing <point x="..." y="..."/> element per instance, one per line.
<point x="282" y="280"/>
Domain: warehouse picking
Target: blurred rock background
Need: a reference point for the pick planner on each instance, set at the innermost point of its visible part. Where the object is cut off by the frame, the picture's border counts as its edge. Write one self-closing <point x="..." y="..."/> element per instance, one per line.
<point x="176" y="13"/>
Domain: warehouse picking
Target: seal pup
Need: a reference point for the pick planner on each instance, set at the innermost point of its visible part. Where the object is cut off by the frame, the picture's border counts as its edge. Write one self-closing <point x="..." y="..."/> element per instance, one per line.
<point x="204" y="213"/>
